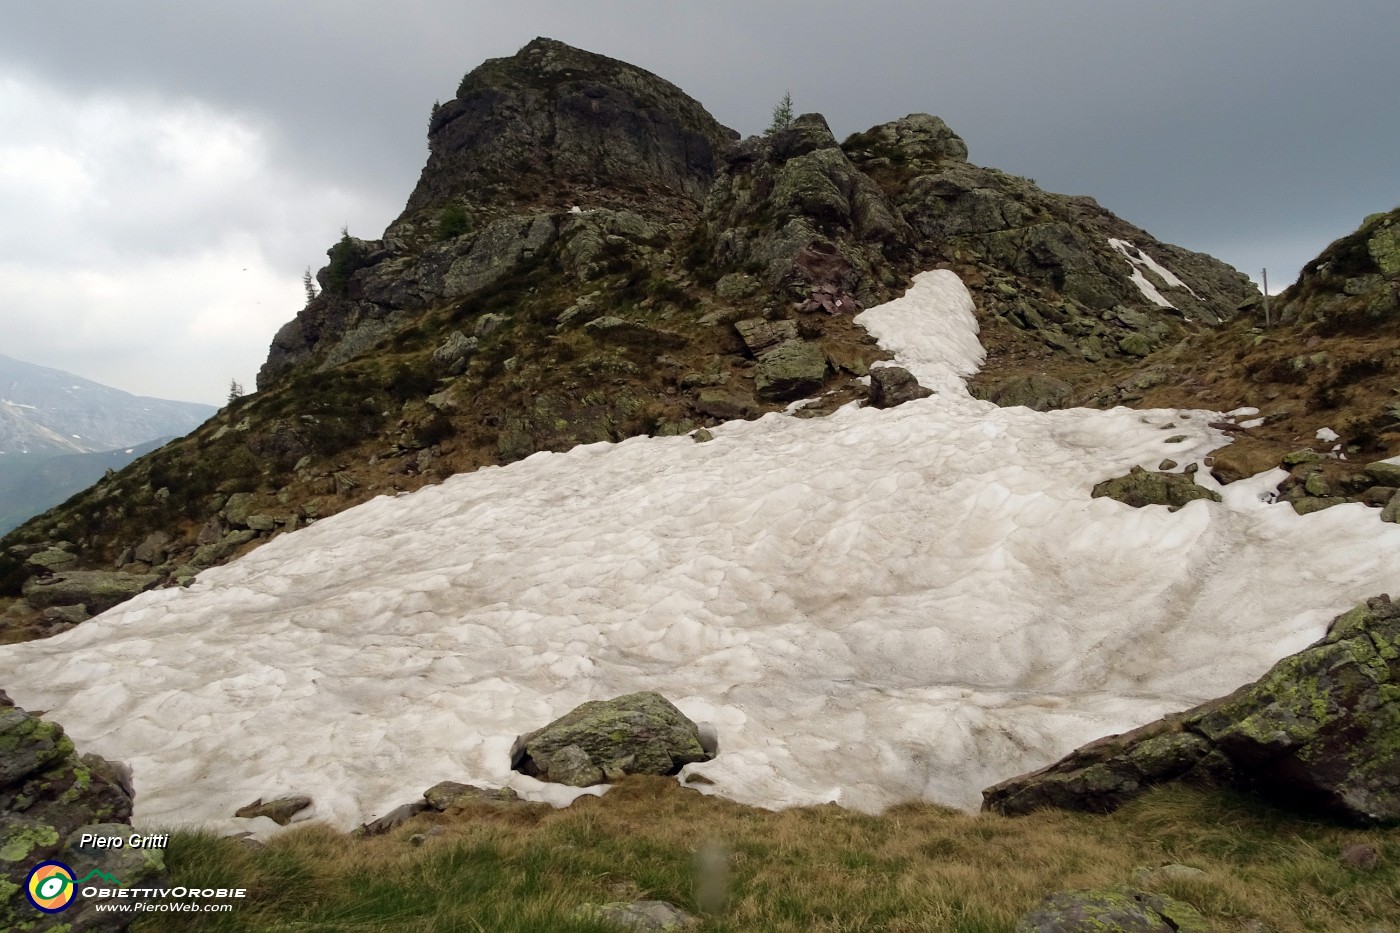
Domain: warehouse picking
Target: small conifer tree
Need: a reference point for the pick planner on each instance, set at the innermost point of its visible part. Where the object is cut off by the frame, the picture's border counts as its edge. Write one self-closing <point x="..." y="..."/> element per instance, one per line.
<point x="235" y="391"/>
<point x="308" y="281"/>
<point x="782" y="114"/>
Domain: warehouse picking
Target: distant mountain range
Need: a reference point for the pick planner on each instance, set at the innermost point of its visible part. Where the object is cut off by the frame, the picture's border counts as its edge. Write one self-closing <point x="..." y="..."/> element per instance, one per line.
<point x="60" y="432"/>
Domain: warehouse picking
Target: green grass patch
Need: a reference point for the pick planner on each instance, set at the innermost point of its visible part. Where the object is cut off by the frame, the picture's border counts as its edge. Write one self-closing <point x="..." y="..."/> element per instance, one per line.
<point x="917" y="867"/>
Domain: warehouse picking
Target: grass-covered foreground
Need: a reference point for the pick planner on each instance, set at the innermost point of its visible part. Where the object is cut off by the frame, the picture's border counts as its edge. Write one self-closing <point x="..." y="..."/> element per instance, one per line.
<point x="917" y="867"/>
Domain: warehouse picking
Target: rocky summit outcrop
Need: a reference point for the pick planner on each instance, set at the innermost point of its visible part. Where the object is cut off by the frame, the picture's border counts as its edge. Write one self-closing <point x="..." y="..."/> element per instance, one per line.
<point x="1320" y="731"/>
<point x="604" y="740"/>
<point x="589" y="256"/>
<point x="526" y="139"/>
<point x="1353" y="286"/>
<point x="49" y="797"/>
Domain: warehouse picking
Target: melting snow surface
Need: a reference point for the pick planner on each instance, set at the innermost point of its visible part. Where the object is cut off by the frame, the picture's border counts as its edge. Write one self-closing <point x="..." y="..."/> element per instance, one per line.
<point x="1326" y="435"/>
<point x="1139" y="261"/>
<point x="870" y="607"/>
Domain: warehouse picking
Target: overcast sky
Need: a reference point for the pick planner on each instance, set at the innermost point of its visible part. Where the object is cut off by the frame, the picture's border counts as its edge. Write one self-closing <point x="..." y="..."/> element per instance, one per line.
<point x="169" y="167"/>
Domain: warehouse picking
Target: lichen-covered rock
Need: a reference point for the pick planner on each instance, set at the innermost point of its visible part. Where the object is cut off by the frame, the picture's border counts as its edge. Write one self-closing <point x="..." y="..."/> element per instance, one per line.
<point x="1322" y="727"/>
<point x="571" y="765"/>
<point x="446" y="794"/>
<point x="792" y="369"/>
<point x="1035" y="391"/>
<point x="640" y="733"/>
<point x="99" y="590"/>
<point x="1319" y="731"/>
<point x="1102" y="911"/>
<point x="894" y="385"/>
<point x="1145" y="487"/>
<point x="1353" y="286"/>
<point x="49" y="795"/>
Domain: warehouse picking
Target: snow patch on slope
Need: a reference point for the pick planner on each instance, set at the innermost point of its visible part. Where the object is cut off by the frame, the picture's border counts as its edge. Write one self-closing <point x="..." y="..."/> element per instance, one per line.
<point x="1139" y="261"/>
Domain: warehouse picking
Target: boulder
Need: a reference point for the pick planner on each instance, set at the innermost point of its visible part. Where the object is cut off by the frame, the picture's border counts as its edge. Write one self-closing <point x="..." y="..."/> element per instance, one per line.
<point x="237" y="508"/>
<point x="391" y="820"/>
<point x="99" y="590"/>
<point x="153" y="548"/>
<point x="640" y="733"/>
<point x="894" y="385"/>
<point x="1100" y="911"/>
<point x="1144" y="487"/>
<point x="448" y="794"/>
<point x="793" y="369"/>
<point x="724" y="404"/>
<point x="760" y="335"/>
<point x="450" y="357"/>
<point x="1035" y="391"/>
<point x="280" y="811"/>
<point x="1382" y="473"/>
<point x="1319" y="732"/>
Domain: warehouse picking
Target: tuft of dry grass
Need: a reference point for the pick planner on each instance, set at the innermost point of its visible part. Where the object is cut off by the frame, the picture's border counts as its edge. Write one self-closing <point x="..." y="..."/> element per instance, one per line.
<point x="916" y="867"/>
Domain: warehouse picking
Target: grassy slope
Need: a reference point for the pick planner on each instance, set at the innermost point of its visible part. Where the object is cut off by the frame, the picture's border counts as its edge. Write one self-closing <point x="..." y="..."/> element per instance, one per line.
<point x="917" y="867"/>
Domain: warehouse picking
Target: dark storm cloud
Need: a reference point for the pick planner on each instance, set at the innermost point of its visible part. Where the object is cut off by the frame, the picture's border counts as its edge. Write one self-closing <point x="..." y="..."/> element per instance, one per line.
<point x="1200" y="120"/>
<point x="1257" y="130"/>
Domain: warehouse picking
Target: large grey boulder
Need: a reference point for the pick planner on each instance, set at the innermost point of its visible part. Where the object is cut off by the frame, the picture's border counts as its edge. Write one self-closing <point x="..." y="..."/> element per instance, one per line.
<point x="640" y="733"/>
<point x="1320" y="731"/>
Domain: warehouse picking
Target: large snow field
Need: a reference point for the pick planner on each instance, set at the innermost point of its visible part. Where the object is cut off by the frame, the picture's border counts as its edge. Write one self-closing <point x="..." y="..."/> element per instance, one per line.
<point x="870" y="607"/>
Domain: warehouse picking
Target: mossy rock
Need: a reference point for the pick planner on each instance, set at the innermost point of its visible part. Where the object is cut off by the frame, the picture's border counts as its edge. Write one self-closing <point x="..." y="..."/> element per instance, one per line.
<point x="1144" y="487"/>
<point x="1322" y="727"/>
<point x="643" y="731"/>
<point x="1035" y="391"/>
<point x="790" y="370"/>
<point x="1107" y="911"/>
<point x="1320" y="731"/>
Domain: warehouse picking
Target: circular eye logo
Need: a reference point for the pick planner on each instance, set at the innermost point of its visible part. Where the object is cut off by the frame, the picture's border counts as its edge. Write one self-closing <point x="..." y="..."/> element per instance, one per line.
<point x="50" y="886"/>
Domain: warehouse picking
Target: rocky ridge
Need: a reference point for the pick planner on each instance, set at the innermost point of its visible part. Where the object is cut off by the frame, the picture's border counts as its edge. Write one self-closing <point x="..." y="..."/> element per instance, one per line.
<point x="534" y="295"/>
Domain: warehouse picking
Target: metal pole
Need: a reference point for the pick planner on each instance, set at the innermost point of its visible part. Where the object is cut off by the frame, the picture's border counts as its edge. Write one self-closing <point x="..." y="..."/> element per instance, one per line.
<point x="1267" y="323"/>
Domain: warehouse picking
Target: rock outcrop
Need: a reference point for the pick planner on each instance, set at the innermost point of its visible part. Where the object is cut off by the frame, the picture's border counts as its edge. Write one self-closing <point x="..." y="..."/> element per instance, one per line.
<point x="49" y="796"/>
<point x="1319" y="731"/>
<point x="1353" y="286"/>
<point x="603" y="740"/>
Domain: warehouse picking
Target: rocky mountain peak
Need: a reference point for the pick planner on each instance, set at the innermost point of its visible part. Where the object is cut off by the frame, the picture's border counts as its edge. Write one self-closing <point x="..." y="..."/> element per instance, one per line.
<point x="554" y="126"/>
